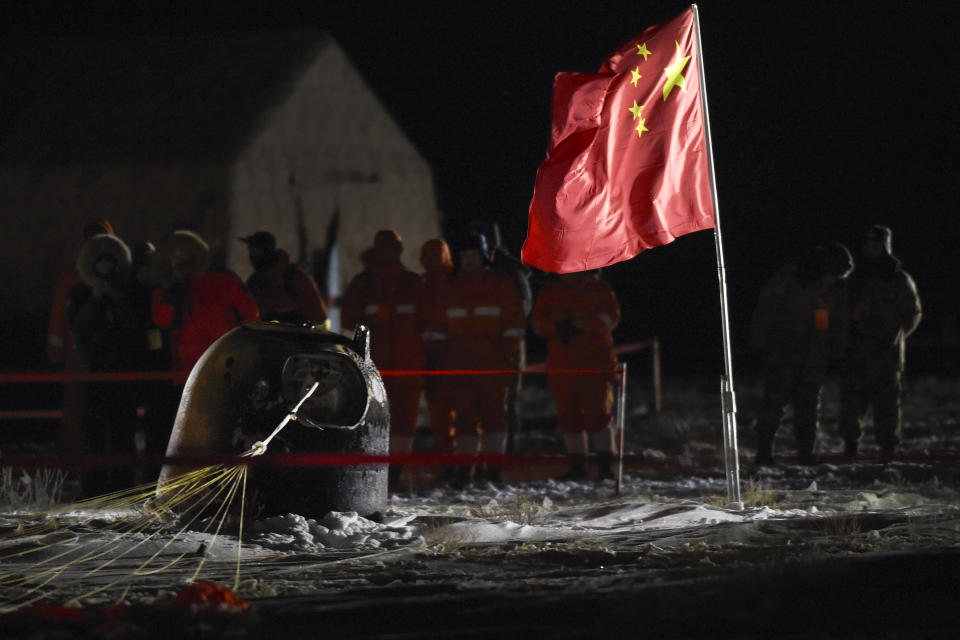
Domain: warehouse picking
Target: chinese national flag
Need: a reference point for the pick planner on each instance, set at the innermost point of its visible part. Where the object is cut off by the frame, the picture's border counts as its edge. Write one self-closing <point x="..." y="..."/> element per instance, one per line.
<point x="626" y="167"/>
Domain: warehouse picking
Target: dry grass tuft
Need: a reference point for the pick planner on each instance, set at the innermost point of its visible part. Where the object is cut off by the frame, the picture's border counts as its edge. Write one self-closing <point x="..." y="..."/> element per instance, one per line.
<point x="846" y="524"/>
<point x="40" y="490"/>
<point x="442" y="537"/>
<point x="756" y="495"/>
<point x="518" y="509"/>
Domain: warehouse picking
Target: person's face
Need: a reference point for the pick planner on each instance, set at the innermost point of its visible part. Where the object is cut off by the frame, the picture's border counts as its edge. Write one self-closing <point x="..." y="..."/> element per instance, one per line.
<point x="471" y="260"/>
<point x="872" y="248"/>
<point x="105" y="266"/>
<point x="181" y="263"/>
<point x="257" y="255"/>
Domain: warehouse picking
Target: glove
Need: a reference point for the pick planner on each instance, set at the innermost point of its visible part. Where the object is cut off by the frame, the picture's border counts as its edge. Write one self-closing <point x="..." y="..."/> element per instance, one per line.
<point x="566" y="329"/>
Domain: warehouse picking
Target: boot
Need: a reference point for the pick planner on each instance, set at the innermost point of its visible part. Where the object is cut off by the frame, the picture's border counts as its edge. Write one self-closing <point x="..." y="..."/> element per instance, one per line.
<point x="446" y="476"/>
<point x="393" y="477"/>
<point x="850" y="451"/>
<point x="887" y="453"/>
<point x="578" y="467"/>
<point x="764" y="455"/>
<point x="605" y="465"/>
<point x="492" y="474"/>
<point x="461" y="477"/>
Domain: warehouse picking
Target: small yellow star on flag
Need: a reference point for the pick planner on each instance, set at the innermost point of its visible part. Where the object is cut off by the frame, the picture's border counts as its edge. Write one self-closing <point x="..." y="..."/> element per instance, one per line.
<point x="675" y="73"/>
<point x="641" y="127"/>
<point x="642" y="50"/>
<point x="635" y="109"/>
<point x="635" y="76"/>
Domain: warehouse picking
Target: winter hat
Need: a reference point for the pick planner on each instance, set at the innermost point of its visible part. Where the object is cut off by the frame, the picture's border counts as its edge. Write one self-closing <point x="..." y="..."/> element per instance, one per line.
<point x="882" y="234"/>
<point x="435" y="256"/>
<point x="96" y="227"/>
<point x="260" y="240"/>
<point x="475" y="241"/>
<point x="263" y="250"/>
<point x="142" y="252"/>
<point x="387" y="242"/>
<point x="836" y="260"/>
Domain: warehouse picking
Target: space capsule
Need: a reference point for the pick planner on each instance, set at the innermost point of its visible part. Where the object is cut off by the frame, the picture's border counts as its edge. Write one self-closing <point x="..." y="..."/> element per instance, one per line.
<point x="252" y="377"/>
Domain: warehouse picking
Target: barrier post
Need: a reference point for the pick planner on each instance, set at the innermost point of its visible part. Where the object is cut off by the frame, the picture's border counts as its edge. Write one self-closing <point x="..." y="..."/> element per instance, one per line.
<point x="621" y="419"/>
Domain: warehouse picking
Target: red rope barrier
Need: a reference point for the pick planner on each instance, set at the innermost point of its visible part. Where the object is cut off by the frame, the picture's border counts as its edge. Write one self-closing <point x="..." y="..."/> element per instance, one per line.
<point x="180" y="376"/>
<point x="32" y="414"/>
<point x="129" y="376"/>
<point x="360" y="459"/>
<point x="271" y="460"/>
<point x="117" y="376"/>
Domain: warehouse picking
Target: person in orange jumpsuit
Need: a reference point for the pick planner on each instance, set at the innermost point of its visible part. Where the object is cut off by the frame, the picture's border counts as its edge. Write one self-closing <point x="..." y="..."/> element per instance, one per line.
<point x="437" y="263"/>
<point x="390" y="300"/>
<point x="484" y="322"/>
<point x="197" y="305"/>
<point x="576" y="313"/>
<point x="61" y="347"/>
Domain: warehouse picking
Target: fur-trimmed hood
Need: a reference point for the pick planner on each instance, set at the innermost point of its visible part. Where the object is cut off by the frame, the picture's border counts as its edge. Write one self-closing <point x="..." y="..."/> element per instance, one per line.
<point x="185" y="246"/>
<point x="94" y="249"/>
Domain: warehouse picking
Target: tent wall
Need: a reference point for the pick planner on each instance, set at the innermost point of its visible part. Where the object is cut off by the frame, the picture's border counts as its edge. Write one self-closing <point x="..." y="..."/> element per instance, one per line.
<point x="331" y="146"/>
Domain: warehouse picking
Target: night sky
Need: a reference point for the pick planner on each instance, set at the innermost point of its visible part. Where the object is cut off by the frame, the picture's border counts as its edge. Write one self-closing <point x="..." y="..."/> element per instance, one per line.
<point x="826" y="117"/>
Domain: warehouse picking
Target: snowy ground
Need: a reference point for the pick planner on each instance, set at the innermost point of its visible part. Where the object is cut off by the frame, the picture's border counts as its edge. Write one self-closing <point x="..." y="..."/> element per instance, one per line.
<point x="862" y="549"/>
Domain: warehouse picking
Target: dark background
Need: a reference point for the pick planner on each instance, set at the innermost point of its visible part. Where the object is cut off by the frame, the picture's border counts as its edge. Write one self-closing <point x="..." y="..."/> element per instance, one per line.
<point x="826" y="117"/>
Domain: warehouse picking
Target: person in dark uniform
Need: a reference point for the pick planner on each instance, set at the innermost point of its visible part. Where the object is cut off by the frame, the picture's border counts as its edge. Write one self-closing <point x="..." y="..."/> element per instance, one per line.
<point x="100" y="313"/>
<point x="798" y="328"/>
<point x="884" y="310"/>
<point x="284" y="291"/>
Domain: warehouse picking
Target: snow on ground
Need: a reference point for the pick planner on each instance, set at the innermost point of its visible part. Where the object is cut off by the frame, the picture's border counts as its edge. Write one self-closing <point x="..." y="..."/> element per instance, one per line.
<point x="554" y="546"/>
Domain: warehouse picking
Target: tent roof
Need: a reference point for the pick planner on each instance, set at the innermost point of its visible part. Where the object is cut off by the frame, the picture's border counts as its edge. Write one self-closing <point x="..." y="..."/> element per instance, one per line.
<point x="145" y="98"/>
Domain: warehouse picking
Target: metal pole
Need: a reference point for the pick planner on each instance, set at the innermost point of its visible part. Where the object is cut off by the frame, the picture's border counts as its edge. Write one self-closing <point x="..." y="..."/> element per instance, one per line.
<point x="728" y="397"/>
<point x="621" y="418"/>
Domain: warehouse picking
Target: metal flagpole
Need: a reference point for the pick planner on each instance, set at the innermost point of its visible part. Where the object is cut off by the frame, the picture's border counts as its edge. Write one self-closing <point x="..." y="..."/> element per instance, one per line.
<point x="728" y="397"/>
<point x="621" y="420"/>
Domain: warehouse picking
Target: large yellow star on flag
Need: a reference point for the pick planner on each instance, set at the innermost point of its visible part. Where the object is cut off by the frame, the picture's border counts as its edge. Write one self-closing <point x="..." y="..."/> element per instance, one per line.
<point x="642" y="50"/>
<point x="635" y="76"/>
<point x="635" y="109"/>
<point x="641" y="127"/>
<point x="675" y="73"/>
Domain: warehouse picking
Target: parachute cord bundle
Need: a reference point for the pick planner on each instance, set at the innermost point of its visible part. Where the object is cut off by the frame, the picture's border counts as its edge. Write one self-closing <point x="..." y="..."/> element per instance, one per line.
<point x="260" y="447"/>
<point x="75" y="556"/>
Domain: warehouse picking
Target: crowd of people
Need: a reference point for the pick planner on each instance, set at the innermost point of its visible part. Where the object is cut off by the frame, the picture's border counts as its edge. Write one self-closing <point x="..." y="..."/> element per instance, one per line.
<point x="158" y="308"/>
<point x="823" y="314"/>
<point x="465" y="313"/>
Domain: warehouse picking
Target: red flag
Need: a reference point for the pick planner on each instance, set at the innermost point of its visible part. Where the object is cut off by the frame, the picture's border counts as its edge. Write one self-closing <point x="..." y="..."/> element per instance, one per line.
<point x="626" y="167"/>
